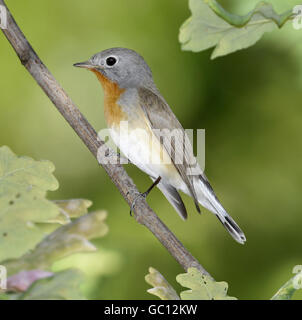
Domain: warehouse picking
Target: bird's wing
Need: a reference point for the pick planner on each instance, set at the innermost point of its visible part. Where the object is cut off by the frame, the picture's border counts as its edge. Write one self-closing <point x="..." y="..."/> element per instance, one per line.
<point x="179" y="149"/>
<point x="173" y="197"/>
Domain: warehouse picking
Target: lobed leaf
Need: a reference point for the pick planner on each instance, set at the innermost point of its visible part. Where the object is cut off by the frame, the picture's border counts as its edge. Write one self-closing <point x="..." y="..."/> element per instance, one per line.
<point x="202" y="287"/>
<point x="64" y="285"/>
<point x="212" y="26"/>
<point x="72" y="208"/>
<point x="290" y="287"/>
<point x="161" y="287"/>
<point x="68" y="239"/>
<point x="23" y="280"/>
<point x="23" y="186"/>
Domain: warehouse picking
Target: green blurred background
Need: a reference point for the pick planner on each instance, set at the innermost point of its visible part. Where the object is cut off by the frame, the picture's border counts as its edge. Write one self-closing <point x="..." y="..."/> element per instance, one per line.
<point x="249" y="103"/>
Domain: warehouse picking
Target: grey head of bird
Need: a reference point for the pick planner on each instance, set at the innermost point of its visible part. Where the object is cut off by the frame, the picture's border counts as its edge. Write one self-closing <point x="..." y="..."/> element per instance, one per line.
<point x="123" y="66"/>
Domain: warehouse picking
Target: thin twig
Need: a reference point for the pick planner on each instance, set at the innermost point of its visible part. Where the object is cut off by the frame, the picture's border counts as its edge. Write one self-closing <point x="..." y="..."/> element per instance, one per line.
<point x="142" y="212"/>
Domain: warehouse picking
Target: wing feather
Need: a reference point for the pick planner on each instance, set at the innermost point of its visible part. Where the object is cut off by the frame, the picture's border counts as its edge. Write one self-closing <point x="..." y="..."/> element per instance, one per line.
<point x="161" y="117"/>
<point x="173" y="197"/>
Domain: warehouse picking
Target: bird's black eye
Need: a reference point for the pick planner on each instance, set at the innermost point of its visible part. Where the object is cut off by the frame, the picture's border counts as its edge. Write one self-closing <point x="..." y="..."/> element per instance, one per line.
<point x="111" y="61"/>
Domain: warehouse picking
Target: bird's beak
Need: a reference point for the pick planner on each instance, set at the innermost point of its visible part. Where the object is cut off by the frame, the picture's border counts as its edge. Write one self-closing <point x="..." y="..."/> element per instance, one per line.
<point x="85" y="64"/>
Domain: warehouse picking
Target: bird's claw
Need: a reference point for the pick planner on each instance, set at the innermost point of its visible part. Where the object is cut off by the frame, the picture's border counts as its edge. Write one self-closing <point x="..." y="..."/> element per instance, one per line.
<point x="144" y="194"/>
<point x="140" y="195"/>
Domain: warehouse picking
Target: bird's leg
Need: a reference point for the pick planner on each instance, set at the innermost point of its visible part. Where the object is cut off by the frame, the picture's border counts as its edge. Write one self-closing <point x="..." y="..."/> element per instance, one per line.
<point x="144" y="194"/>
<point x="154" y="184"/>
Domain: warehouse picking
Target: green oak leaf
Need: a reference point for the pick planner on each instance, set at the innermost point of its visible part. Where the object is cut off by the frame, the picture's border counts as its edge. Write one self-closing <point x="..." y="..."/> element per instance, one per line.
<point x="202" y="287"/>
<point x="23" y="186"/>
<point x="161" y="287"/>
<point x="212" y="26"/>
<point x="21" y="281"/>
<point x="71" y="208"/>
<point x="291" y="286"/>
<point x="68" y="239"/>
<point x="63" y="285"/>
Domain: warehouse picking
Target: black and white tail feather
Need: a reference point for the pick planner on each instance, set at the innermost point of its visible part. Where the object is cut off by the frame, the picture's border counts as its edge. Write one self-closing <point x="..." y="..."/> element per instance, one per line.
<point x="208" y="199"/>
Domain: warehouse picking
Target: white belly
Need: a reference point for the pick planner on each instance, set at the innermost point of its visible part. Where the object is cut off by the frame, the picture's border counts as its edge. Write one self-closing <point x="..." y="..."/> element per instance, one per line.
<point x="143" y="149"/>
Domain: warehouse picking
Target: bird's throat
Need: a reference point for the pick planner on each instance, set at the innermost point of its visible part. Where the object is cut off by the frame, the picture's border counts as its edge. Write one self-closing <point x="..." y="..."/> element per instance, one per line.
<point x="112" y="92"/>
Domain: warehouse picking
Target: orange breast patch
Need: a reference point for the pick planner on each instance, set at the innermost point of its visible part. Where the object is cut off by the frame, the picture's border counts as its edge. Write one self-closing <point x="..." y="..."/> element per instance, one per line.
<point x="112" y="110"/>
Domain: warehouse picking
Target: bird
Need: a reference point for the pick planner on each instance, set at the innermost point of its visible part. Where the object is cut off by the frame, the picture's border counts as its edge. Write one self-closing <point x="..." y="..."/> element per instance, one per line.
<point x="136" y="113"/>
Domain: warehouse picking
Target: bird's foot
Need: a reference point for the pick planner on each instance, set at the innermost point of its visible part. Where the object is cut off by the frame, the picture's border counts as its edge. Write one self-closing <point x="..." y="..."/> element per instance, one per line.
<point x="140" y="195"/>
<point x="144" y="194"/>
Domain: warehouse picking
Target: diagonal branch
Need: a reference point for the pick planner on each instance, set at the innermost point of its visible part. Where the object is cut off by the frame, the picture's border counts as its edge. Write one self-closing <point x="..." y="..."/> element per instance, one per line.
<point x="142" y="212"/>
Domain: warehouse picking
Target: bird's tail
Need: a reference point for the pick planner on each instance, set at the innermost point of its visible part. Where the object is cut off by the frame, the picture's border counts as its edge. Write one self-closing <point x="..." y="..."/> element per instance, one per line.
<point x="231" y="226"/>
<point x="208" y="199"/>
